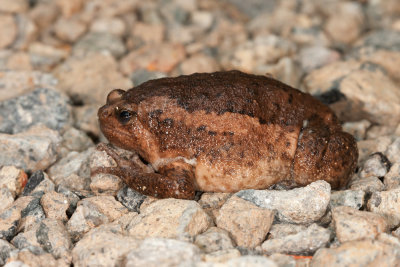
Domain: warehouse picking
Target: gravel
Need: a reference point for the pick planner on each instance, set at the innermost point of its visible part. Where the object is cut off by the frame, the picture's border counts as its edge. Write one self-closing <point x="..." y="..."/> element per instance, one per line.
<point x="60" y="59"/>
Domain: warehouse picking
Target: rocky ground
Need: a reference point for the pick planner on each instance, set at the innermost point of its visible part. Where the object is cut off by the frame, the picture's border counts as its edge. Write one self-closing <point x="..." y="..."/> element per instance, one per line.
<point x="60" y="58"/>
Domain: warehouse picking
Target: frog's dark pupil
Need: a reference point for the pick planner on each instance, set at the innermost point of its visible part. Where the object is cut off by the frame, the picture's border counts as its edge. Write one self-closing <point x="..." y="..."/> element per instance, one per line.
<point x="125" y="116"/>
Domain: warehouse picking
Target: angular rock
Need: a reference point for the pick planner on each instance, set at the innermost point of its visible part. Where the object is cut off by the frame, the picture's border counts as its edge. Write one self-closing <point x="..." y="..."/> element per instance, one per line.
<point x="45" y="57"/>
<point x="14" y="6"/>
<point x="75" y="140"/>
<point x="300" y="205"/>
<point x="41" y="106"/>
<point x="349" y="198"/>
<point x="351" y="224"/>
<point x="69" y="30"/>
<point x="358" y="253"/>
<point x="168" y="252"/>
<point x="247" y="223"/>
<point x="212" y="202"/>
<point x="170" y="218"/>
<point x="6" y="198"/>
<point x="9" y="32"/>
<point x="115" y="26"/>
<point x="214" y="239"/>
<point x="376" y="165"/>
<point x="358" y="129"/>
<point x="35" y="149"/>
<point x="392" y="178"/>
<point x="10" y="218"/>
<point x="148" y="33"/>
<point x="94" y="42"/>
<point x="50" y="235"/>
<point x="370" y="146"/>
<point x="393" y="151"/>
<point x="5" y="251"/>
<point x="38" y="183"/>
<point x="13" y="179"/>
<point x="386" y="203"/>
<point x="368" y="185"/>
<point x="283" y="260"/>
<point x="102" y="248"/>
<point x="76" y="77"/>
<point x="148" y="57"/>
<point x="31" y="215"/>
<point x="55" y="206"/>
<point x="92" y="212"/>
<point x="350" y="90"/>
<point x="88" y="121"/>
<point x="221" y="256"/>
<point x="27" y="32"/>
<point x="303" y="242"/>
<point x="72" y="199"/>
<point x="317" y="56"/>
<point x="381" y="47"/>
<point x="281" y="230"/>
<point x="130" y="198"/>
<point x="27" y="258"/>
<point x="346" y="24"/>
<point x="17" y="83"/>
<point x="256" y="261"/>
<point x="73" y="164"/>
<point x="255" y="56"/>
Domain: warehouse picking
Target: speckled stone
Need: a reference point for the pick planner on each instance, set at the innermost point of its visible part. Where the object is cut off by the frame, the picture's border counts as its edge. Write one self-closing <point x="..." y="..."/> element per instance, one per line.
<point x="42" y="106"/>
<point x="300" y="205"/>
<point x="237" y="213"/>
<point x="303" y="242"/>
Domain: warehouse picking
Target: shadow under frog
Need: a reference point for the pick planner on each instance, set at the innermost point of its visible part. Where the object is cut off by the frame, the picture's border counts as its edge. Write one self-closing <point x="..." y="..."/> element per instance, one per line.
<point x="224" y="132"/>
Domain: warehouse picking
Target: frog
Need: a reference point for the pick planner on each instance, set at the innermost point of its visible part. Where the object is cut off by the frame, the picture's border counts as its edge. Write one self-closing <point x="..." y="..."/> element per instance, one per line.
<point x="224" y="131"/>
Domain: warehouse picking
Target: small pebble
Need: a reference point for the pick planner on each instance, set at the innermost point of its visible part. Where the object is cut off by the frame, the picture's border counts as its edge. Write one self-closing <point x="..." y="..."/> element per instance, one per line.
<point x="237" y="212"/>
<point x="302" y="243"/>
<point x="351" y="224"/>
<point x="300" y="205"/>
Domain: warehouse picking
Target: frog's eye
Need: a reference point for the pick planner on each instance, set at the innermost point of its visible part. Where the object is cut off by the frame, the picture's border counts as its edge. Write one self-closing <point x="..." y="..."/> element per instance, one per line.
<point x="125" y="116"/>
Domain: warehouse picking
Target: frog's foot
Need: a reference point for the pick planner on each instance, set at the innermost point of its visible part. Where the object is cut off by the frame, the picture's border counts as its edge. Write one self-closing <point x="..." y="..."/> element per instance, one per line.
<point x="175" y="180"/>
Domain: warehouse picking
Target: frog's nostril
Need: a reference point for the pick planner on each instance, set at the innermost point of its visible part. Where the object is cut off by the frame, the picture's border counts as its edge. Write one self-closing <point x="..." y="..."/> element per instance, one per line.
<point x="104" y="112"/>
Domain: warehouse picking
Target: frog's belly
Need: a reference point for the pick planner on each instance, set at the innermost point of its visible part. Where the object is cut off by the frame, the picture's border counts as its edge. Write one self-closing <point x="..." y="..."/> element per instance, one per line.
<point x="222" y="177"/>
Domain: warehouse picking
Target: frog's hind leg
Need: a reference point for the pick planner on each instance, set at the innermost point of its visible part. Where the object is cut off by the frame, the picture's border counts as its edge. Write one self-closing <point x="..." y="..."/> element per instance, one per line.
<point x="169" y="183"/>
<point x="324" y="154"/>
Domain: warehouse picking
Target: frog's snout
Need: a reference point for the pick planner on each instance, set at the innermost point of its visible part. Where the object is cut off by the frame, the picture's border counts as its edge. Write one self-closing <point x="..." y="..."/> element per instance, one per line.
<point x="104" y="113"/>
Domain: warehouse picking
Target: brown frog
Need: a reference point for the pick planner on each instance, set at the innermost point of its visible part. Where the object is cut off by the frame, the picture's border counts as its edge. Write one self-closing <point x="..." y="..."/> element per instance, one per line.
<point x="224" y="132"/>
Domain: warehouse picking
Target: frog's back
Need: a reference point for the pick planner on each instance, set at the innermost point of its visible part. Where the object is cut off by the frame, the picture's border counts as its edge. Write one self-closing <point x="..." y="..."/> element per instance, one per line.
<point x="260" y="97"/>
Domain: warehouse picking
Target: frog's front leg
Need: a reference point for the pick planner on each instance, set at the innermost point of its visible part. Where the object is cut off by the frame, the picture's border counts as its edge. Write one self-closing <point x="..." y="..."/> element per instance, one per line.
<point x="174" y="180"/>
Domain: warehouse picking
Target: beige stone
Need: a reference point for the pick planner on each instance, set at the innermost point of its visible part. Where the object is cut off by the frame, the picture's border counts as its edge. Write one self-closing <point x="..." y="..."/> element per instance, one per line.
<point x="345" y="25"/>
<point x="386" y="203"/>
<point x="14" y="6"/>
<point x="91" y="78"/>
<point x="162" y="57"/>
<point x="8" y="31"/>
<point x="351" y="224"/>
<point x="358" y="253"/>
<point x="69" y="30"/>
<point x="212" y="202"/>
<point x="13" y="178"/>
<point x="170" y="218"/>
<point x="70" y="7"/>
<point x="55" y="206"/>
<point x="149" y="33"/>
<point x="199" y="63"/>
<point x="247" y="223"/>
